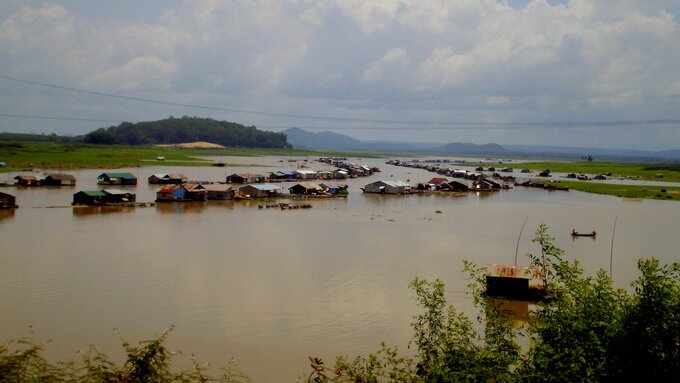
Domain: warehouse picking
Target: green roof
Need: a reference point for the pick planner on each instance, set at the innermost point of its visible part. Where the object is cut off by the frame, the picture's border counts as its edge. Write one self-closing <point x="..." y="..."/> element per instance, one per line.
<point x="93" y="193"/>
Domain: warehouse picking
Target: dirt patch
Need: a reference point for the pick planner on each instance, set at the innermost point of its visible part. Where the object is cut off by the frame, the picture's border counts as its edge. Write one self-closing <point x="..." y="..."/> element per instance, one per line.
<point x="192" y="145"/>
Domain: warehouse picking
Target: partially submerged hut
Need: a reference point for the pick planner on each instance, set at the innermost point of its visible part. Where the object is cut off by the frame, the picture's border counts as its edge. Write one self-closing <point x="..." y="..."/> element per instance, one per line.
<point x="7" y="201"/>
<point x="515" y="282"/>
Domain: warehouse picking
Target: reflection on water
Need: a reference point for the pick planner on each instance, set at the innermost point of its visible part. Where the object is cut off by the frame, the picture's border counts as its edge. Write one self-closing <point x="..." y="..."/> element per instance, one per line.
<point x="92" y="210"/>
<point x="6" y="213"/>
<point x="516" y="310"/>
<point x="280" y="285"/>
<point x="181" y="207"/>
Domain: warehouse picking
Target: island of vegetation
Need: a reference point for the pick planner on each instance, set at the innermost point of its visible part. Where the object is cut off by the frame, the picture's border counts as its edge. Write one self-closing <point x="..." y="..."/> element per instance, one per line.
<point x="186" y="129"/>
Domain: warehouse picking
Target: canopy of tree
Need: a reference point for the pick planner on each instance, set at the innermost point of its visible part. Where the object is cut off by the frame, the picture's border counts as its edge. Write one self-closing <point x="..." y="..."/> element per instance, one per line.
<point x="186" y="129"/>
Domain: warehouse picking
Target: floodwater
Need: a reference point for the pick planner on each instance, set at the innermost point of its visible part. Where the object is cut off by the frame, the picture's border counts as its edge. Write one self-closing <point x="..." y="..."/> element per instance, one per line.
<point x="271" y="287"/>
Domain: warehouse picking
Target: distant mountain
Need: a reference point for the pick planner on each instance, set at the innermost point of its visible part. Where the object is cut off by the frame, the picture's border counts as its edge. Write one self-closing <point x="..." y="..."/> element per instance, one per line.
<point x="303" y="139"/>
<point x="300" y="138"/>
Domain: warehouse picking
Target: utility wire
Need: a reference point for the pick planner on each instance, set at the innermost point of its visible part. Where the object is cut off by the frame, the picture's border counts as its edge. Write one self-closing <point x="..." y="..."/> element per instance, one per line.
<point x="430" y="124"/>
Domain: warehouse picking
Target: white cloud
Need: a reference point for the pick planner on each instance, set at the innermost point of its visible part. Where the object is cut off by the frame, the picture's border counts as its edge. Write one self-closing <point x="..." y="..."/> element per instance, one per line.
<point x="393" y="58"/>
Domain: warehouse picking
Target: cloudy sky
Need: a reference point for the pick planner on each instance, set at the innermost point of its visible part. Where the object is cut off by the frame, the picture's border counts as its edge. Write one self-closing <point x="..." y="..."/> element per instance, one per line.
<point x="570" y="73"/>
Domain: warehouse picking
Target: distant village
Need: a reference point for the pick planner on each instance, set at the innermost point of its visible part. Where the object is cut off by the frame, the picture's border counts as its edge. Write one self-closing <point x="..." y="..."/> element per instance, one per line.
<point x="306" y="183"/>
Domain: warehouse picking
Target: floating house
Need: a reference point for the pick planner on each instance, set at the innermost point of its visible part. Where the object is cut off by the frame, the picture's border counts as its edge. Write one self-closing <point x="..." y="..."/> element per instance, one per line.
<point x="515" y="282"/>
<point x="220" y="192"/>
<point x="261" y="190"/>
<point x="195" y="192"/>
<point x="164" y="178"/>
<point x="304" y="174"/>
<point x="117" y="179"/>
<point x="170" y="193"/>
<point x="456" y="186"/>
<point x="58" y="179"/>
<point x="485" y="184"/>
<point x="182" y="193"/>
<point x="7" y="201"/>
<point x="340" y="174"/>
<point x="103" y="197"/>
<point x="306" y="189"/>
<point x="387" y="187"/>
<point x="282" y="175"/>
<point x="27" y="181"/>
<point x="245" y="178"/>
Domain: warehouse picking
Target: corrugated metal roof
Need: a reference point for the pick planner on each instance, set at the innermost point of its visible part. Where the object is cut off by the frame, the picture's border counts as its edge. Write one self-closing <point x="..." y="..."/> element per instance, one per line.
<point x="115" y="191"/>
<point x="267" y="187"/>
<point x="512" y="271"/>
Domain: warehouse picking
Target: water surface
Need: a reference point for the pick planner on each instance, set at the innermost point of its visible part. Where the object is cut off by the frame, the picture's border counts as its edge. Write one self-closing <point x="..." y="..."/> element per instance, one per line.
<point x="270" y="287"/>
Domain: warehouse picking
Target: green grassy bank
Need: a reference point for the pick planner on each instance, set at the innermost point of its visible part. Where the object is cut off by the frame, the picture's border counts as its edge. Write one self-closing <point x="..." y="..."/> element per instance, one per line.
<point x="625" y="191"/>
<point x="50" y="155"/>
<point x="669" y="172"/>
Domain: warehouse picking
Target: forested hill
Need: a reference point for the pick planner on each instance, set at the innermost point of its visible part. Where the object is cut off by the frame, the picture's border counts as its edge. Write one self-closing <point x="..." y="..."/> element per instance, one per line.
<point x="187" y="129"/>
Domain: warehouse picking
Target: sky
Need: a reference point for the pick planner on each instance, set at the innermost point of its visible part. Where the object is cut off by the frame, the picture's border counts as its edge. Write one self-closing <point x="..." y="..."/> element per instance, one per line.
<point x="538" y="72"/>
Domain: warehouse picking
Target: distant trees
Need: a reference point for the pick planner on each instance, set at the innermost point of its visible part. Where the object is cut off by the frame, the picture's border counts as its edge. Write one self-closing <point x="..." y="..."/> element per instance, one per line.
<point x="187" y="129"/>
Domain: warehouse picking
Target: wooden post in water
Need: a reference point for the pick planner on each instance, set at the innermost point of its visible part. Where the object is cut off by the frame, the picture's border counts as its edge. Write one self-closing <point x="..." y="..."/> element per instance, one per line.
<point x="611" y="251"/>
<point x="518" y="238"/>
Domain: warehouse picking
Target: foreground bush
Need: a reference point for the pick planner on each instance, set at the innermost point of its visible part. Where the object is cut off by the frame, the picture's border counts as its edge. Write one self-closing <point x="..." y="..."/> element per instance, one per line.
<point x="147" y="362"/>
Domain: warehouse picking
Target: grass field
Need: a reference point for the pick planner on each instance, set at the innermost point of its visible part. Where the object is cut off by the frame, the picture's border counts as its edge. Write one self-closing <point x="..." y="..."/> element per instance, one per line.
<point x="658" y="172"/>
<point x="625" y="191"/>
<point x="22" y="155"/>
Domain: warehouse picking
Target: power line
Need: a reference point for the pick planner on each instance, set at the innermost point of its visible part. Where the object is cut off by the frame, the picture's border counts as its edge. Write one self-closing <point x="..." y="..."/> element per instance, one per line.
<point x="430" y="125"/>
<point x="58" y="118"/>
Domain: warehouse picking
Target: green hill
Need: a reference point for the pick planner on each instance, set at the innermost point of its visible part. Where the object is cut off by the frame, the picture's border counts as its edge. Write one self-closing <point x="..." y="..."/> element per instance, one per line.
<point x="187" y="129"/>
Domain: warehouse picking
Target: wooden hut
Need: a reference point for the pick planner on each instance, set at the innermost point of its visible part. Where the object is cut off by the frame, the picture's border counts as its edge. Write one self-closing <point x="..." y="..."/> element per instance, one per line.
<point x="58" y="179"/>
<point x="195" y="192"/>
<point x="515" y="282"/>
<point x="456" y="186"/>
<point x="7" y="201"/>
<point x="220" y="192"/>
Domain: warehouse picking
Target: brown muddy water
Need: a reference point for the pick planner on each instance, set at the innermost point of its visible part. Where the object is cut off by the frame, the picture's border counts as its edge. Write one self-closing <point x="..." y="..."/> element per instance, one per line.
<point x="271" y="287"/>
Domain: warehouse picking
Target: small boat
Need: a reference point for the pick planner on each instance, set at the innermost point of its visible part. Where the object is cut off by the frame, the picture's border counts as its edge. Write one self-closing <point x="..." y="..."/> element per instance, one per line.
<point x="575" y="233"/>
